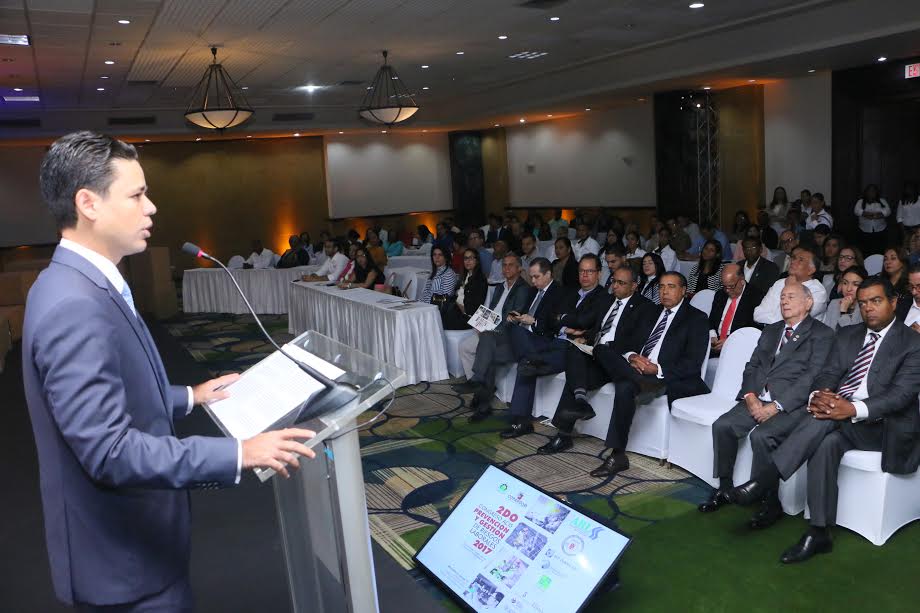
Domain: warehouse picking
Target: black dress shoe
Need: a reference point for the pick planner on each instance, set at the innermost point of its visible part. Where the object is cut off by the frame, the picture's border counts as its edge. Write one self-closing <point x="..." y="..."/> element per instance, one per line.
<point x="583" y="409"/>
<point x="766" y="516"/>
<point x="806" y="548"/>
<point x="611" y="466"/>
<point x="558" y="444"/>
<point x="479" y="415"/>
<point x="517" y="430"/>
<point x="482" y="399"/>
<point x="747" y="494"/>
<point x="467" y="387"/>
<point x="717" y="500"/>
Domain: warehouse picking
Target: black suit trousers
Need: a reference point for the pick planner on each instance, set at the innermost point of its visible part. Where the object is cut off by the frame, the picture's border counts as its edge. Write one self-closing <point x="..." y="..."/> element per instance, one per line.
<point x="734" y="425"/>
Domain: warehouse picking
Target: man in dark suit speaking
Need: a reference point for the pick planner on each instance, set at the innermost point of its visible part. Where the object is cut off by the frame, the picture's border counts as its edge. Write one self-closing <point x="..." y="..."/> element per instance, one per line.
<point x="112" y="471"/>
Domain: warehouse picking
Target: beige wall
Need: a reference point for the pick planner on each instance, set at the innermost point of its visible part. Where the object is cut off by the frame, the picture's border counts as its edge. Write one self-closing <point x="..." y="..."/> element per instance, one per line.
<point x="495" y="171"/>
<point x="741" y="150"/>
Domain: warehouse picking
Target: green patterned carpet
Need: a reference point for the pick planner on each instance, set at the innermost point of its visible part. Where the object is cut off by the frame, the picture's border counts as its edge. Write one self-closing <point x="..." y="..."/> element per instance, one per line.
<point x="421" y="458"/>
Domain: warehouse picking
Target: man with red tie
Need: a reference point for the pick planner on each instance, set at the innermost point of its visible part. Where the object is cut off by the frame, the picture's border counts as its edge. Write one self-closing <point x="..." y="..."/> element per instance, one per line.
<point x="865" y="398"/>
<point x="732" y="307"/>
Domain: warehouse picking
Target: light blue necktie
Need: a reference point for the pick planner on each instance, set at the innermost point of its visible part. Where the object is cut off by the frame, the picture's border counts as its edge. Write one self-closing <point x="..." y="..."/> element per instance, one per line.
<point x="126" y="294"/>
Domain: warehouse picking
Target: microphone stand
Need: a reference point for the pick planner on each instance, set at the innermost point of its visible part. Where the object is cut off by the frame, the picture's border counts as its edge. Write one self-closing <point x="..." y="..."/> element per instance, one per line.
<point x="334" y="395"/>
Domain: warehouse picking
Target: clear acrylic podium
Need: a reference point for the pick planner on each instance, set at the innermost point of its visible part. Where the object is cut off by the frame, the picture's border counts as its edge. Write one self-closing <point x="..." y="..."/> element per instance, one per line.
<point x="322" y="510"/>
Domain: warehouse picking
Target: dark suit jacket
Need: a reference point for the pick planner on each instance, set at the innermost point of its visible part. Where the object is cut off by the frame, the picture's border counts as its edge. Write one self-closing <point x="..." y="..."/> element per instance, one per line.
<point x="570" y="273"/>
<point x="765" y="274"/>
<point x="518" y="300"/>
<point x="790" y="373"/>
<point x="497" y="235"/>
<point x="744" y="312"/>
<point x="893" y="383"/>
<point x="636" y="314"/>
<point x="548" y="309"/>
<point x="585" y="314"/>
<point x="682" y="350"/>
<point x="903" y="308"/>
<point x="110" y="465"/>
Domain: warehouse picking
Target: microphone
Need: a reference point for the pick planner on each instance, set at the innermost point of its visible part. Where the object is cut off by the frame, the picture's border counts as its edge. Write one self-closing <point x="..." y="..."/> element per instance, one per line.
<point x="334" y="396"/>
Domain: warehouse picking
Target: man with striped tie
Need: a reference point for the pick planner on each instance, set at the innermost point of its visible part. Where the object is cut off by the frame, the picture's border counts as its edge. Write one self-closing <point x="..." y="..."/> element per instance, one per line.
<point x="775" y="386"/>
<point x="865" y="399"/>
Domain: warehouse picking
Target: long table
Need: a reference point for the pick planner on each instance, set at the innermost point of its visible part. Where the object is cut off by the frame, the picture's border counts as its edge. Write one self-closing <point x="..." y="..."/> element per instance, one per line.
<point x="413" y="278"/>
<point x="210" y="290"/>
<point x="364" y="319"/>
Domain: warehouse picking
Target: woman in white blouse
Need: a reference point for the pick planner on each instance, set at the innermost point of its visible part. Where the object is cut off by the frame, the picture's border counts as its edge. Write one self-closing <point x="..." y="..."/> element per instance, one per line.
<point x="872" y="210"/>
<point x="909" y="209"/>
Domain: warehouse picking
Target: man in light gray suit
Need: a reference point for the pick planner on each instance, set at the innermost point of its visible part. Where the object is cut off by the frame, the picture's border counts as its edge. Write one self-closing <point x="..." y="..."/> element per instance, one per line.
<point x="775" y="387"/>
<point x="865" y="398"/>
<point x="112" y="470"/>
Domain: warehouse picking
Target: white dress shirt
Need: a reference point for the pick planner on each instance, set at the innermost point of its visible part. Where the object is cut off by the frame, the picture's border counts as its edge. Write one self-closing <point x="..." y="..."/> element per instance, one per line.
<point x="909" y="213"/>
<point x="820" y="218"/>
<point x="609" y="336"/>
<point x="638" y="253"/>
<point x="653" y="356"/>
<point x="872" y="225"/>
<point x="261" y="260"/>
<point x="580" y="248"/>
<point x="749" y="270"/>
<point x="333" y="267"/>
<point x="768" y="312"/>
<point x="112" y="274"/>
<point x="669" y="258"/>
<point x="913" y="315"/>
<point x="504" y="296"/>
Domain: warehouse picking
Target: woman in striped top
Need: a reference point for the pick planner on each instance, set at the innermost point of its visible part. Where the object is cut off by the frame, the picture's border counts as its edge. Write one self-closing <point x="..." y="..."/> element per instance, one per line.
<point x="707" y="273"/>
<point x="650" y="276"/>
<point x="443" y="280"/>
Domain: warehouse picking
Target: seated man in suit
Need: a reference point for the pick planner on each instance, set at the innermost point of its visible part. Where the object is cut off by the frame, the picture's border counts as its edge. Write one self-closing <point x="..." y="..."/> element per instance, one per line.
<point x="610" y="336"/>
<point x="758" y="272"/>
<point x="481" y="353"/>
<point x="614" y="257"/>
<point x="732" y="307"/>
<point x="669" y="358"/>
<point x="542" y="351"/>
<point x="775" y="387"/>
<point x="865" y="397"/>
<point x="803" y="264"/>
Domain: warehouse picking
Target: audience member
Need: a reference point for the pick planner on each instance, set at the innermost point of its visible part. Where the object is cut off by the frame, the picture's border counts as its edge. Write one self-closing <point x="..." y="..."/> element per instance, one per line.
<point x="392" y="245"/>
<point x="909" y="310"/>
<point x="732" y="307"/>
<point x="788" y="241"/>
<point x="739" y="226"/>
<point x="565" y="267"/>
<point x="319" y="250"/>
<point x="709" y="232"/>
<point x="471" y="293"/>
<point x="442" y="283"/>
<point x="633" y="249"/>
<point x="612" y="239"/>
<point x="474" y="241"/>
<point x="908" y="215"/>
<point x="678" y="239"/>
<point x="295" y="254"/>
<point x="804" y="201"/>
<point x="422" y="236"/>
<point x="334" y="266"/>
<point x="556" y="223"/>
<point x="767" y="234"/>
<point x="499" y="249"/>
<point x="584" y="242"/>
<point x="872" y="211"/>
<point x="842" y="311"/>
<point x="261" y="257"/>
<point x="689" y="227"/>
<point x="650" y="274"/>
<point x="528" y="250"/>
<point x="775" y="386"/>
<point x="778" y="207"/>
<point x="480" y="354"/>
<point x="913" y="243"/>
<point x="707" y="272"/>
<point x="758" y="271"/>
<point x="457" y="250"/>
<point x="847" y="258"/>
<point x="894" y="268"/>
<point x="801" y="270"/>
<point x="817" y="215"/>
<point x="854" y="406"/>
<point x="365" y="272"/>
<point x="614" y="258"/>
<point x="375" y="248"/>
<point x="664" y="250"/>
<point x="443" y="237"/>
<point x="307" y="246"/>
<point x="830" y="250"/>
<point x="496" y="231"/>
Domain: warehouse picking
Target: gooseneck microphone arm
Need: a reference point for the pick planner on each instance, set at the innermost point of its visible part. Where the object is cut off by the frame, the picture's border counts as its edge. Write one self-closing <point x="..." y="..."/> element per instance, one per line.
<point x="333" y="397"/>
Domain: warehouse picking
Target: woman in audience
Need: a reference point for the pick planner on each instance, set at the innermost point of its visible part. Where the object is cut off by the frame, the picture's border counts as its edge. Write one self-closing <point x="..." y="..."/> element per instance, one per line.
<point x="909" y="209"/>
<point x="392" y="245"/>
<point x="422" y="235"/>
<point x="872" y="210"/>
<point x="843" y="311"/>
<point x="739" y="227"/>
<point x="830" y="252"/>
<point x="895" y="270"/>
<point x="442" y="283"/>
<point x="652" y="242"/>
<point x="652" y="269"/>
<point x="913" y="243"/>
<point x="846" y="259"/>
<point x="804" y="202"/>
<point x="365" y="272"/>
<point x="375" y="248"/>
<point x="707" y="272"/>
<point x="612" y="239"/>
<point x="778" y="206"/>
<point x="633" y="250"/>
<point x="471" y="293"/>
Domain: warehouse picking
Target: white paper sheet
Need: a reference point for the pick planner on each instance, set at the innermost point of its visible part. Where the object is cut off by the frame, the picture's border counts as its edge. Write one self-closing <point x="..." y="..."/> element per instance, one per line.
<point x="485" y="319"/>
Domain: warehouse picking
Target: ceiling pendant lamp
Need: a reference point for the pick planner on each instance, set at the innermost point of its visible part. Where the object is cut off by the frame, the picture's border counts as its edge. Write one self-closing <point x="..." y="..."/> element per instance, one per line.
<point x="387" y="100"/>
<point x="218" y="102"/>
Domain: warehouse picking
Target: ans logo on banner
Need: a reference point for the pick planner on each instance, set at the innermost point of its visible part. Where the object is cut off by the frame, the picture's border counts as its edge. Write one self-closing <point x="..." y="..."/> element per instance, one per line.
<point x="587" y="528"/>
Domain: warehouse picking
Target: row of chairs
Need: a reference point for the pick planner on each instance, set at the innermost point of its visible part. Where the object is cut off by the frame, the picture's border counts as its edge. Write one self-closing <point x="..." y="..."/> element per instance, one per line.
<point x="871" y="502"/>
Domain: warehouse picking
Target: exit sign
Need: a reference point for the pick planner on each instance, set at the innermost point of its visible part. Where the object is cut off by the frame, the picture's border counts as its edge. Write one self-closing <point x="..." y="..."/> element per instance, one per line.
<point x="912" y="71"/>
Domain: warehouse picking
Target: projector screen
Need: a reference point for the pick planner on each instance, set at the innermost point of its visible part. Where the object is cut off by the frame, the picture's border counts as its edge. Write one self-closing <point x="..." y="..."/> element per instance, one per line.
<point x="601" y="158"/>
<point x="386" y="174"/>
<point x="24" y="218"/>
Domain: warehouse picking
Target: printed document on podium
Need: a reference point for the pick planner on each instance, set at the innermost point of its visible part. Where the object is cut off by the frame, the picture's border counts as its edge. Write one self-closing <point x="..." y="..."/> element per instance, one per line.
<point x="268" y="391"/>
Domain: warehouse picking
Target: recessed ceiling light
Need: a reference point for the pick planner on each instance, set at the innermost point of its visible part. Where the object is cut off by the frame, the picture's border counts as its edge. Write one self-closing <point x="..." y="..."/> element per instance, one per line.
<point x="554" y="19"/>
<point x="528" y="55"/>
<point x="426" y="87"/>
<point x="100" y="89"/>
<point x="310" y="88"/>
<point x="425" y="66"/>
<point x="522" y="120"/>
<point x="17" y="89"/>
<point x="549" y="115"/>
<point x="296" y="133"/>
<point x="20" y="98"/>
<point x="502" y="37"/>
<point x="249" y="136"/>
<point x="245" y="87"/>
<point x="706" y="87"/>
<point x="460" y="53"/>
<point x="124" y="22"/>
<point x="197" y="139"/>
<point x="104" y="77"/>
<point x="110" y="62"/>
<point x="588" y="108"/>
<point x="811" y="70"/>
<point x="383" y="131"/>
<point x="14" y="39"/>
<point x="698" y="105"/>
<point x="882" y="58"/>
<point x="340" y="132"/>
<point x="146" y="140"/>
<point x="697" y="5"/>
<point x="497" y="125"/>
<point x="424" y="130"/>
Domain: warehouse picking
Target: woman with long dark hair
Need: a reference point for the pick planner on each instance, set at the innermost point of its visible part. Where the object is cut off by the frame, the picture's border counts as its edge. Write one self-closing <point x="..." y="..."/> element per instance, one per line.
<point x="895" y="268"/>
<point x="442" y="283"/>
<point x="471" y="293"/>
<point x="365" y="272"/>
<point x="778" y="206"/>
<point x="650" y="276"/>
<point x="707" y="272"/>
<point x="872" y="211"/>
<point x="843" y="310"/>
<point x="848" y="257"/>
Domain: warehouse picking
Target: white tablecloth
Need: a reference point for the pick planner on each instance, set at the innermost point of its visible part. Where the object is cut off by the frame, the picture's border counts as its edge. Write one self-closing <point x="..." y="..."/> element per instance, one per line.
<point x="210" y="290"/>
<point x="403" y="276"/>
<point x="409" y="261"/>
<point x="409" y="339"/>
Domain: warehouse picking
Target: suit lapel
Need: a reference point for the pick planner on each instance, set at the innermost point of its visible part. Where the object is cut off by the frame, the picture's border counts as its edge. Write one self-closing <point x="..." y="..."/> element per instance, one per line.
<point x="798" y="337"/>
